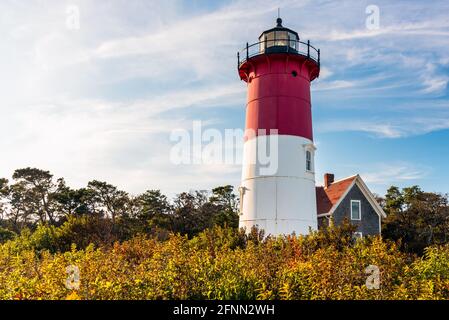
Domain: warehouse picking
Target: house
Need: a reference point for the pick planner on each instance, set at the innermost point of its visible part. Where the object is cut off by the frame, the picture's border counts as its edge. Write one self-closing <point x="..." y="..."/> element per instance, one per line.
<point x="349" y="198"/>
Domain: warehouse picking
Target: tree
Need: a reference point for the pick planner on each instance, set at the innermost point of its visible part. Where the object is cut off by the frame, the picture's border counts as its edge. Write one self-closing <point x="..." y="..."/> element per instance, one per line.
<point x="20" y="212"/>
<point x="70" y="202"/>
<point x="394" y="201"/>
<point x="194" y="212"/>
<point x="6" y="234"/>
<point x="417" y="218"/>
<point x="152" y="210"/>
<point x="107" y="199"/>
<point x="32" y="194"/>
<point x="189" y="216"/>
<point x="226" y="206"/>
<point x="152" y="203"/>
<point x="4" y="192"/>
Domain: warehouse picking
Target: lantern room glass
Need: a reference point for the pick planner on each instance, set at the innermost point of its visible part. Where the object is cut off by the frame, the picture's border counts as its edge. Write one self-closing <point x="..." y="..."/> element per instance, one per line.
<point x="293" y="40"/>
<point x="278" y="38"/>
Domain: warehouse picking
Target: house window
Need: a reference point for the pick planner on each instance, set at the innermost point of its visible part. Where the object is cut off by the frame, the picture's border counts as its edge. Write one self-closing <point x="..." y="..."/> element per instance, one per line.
<point x="308" y="160"/>
<point x="356" y="213"/>
<point x="357" y="235"/>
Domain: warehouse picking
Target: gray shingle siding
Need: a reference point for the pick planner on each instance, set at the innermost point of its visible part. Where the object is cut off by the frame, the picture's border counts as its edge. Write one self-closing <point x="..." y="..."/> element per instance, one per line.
<point x="323" y="222"/>
<point x="369" y="224"/>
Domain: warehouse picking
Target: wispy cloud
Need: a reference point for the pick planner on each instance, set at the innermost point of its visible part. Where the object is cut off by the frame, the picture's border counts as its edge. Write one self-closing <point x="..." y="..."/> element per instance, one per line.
<point x="428" y="28"/>
<point x="382" y="130"/>
<point x="432" y="81"/>
<point x="401" y="173"/>
<point x="194" y="42"/>
<point x="102" y="100"/>
<point x="390" y="129"/>
<point x="333" y="85"/>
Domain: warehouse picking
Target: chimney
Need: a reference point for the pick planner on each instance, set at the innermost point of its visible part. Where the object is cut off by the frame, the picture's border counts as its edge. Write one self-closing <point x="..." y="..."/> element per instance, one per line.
<point x="328" y="179"/>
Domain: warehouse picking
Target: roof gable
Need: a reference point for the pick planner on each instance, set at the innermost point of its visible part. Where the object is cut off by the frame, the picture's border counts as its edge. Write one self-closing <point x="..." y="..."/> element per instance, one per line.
<point x="328" y="199"/>
<point x="323" y="203"/>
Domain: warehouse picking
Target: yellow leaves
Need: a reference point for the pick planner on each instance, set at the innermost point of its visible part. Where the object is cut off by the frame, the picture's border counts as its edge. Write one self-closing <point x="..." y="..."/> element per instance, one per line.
<point x="281" y="268"/>
<point x="73" y="296"/>
<point x="285" y="292"/>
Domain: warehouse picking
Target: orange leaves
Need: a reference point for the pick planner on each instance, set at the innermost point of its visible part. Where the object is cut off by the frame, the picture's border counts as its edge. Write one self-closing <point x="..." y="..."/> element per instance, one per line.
<point x="225" y="264"/>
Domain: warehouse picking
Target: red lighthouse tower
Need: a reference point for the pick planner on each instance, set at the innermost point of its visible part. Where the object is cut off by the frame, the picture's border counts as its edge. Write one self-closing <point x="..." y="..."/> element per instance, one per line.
<point x="278" y="71"/>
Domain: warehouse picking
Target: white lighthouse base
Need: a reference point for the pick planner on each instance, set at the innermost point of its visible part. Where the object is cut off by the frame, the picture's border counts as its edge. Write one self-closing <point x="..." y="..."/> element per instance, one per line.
<point x="284" y="201"/>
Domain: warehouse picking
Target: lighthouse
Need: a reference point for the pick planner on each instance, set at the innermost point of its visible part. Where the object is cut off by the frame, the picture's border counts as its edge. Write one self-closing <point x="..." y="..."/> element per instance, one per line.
<point x="278" y="196"/>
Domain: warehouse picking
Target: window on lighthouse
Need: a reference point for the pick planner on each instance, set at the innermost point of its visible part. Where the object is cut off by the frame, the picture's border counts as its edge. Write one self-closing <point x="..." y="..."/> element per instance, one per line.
<point x="293" y="41"/>
<point x="269" y="39"/>
<point x="281" y="38"/>
<point x="308" y="160"/>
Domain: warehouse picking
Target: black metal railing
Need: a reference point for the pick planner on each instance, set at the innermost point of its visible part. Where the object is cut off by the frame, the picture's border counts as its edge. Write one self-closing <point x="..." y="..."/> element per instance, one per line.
<point x="278" y="46"/>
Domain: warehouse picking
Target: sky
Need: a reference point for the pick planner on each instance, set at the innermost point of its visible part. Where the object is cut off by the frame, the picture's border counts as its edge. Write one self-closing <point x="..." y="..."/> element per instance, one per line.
<point x="96" y="89"/>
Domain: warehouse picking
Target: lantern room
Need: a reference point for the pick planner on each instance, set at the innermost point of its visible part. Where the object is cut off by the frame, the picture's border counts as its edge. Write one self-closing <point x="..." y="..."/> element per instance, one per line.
<point x="278" y="39"/>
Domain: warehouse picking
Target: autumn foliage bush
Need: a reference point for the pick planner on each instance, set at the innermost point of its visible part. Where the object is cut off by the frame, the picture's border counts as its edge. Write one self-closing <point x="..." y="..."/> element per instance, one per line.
<point x="222" y="263"/>
<point x="147" y="246"/>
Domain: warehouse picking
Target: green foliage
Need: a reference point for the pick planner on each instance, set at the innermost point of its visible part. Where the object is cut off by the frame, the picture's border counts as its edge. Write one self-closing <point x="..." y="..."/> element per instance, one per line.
<point x="416" y="218"/>
<point x="147" y="247"/>
<point x="100" y="213"/>
<point x="31" y="194"/>
<point x="226" y="206"/>
<point x="6" y="235"/>
<point x="223" y="263"/>
<point x="45" y="238"/>
<point x="83" y="231"/>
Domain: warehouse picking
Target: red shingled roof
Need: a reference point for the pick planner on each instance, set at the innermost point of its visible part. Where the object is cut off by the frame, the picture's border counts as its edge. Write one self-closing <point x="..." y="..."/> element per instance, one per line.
<point x="326" y="198"/>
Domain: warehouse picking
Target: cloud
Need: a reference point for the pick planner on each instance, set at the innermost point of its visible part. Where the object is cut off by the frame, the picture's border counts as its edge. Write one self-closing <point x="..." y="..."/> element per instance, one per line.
<point x="332" y="85"/>
<point x="433" y="82"/>
<point x="203" y="97"/>
<point x="381" y="130"/>
<point x="325" y="73"/>
<point x="386" y="174"/>
<point x="197" y="43"/>
<point x="381" y="175"/>
<point x="86" y="139"/>
<point x="399" y="127"/>
<point x="428" y="28"/>
<point x="100" y="102"/>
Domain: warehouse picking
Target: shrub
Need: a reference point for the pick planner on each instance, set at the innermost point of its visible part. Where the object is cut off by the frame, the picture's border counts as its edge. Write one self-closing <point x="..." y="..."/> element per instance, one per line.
<point x="219" y="263"/>
<point x="6" y="235"/>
